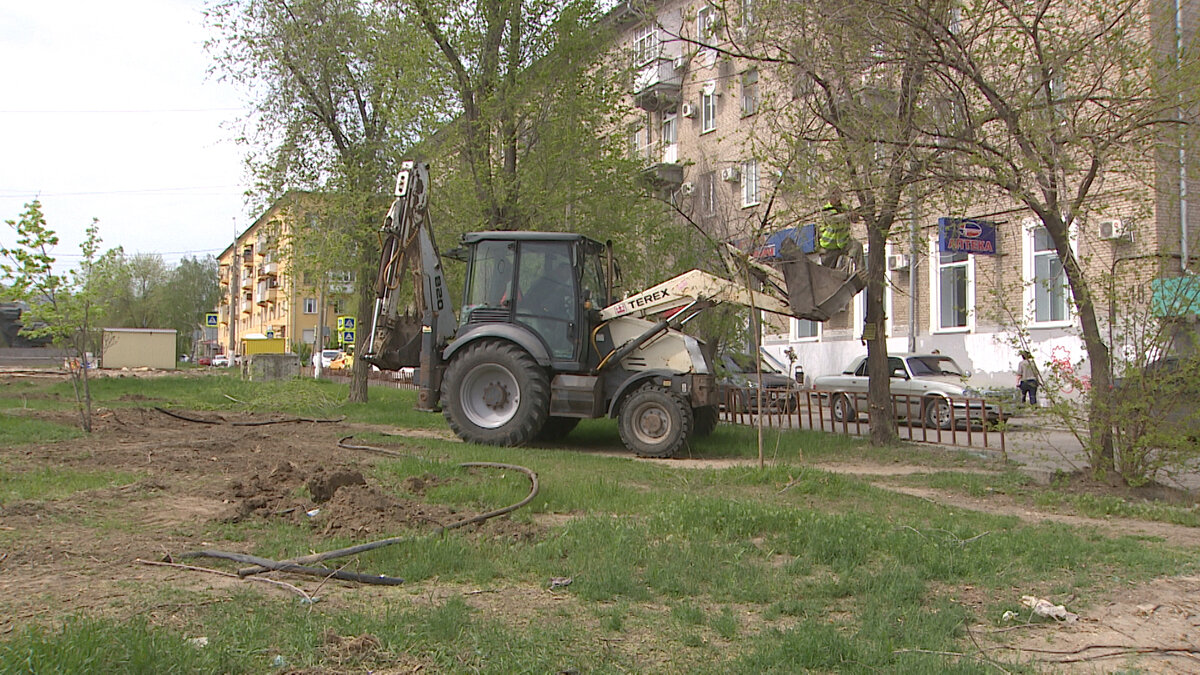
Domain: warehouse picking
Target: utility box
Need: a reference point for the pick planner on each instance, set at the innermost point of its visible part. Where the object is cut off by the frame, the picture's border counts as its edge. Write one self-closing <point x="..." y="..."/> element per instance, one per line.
<point x="138" y="348"/>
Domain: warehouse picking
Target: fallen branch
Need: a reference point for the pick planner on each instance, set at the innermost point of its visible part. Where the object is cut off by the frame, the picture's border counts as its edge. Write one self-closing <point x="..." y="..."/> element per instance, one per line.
<point x="185" y="418"/>
<point x="209" y="570"/>
<point x="1120" y="650"/>
<point x="284" y="566"/>
<point x="289" y="420"/>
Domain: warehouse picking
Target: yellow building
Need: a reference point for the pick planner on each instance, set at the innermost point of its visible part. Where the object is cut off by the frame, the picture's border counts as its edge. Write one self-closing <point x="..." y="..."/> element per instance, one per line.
<point x="261" y="296"/>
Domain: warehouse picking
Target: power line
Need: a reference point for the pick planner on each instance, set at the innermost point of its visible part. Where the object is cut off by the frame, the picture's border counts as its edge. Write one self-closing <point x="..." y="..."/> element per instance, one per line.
<point x="130" y="111"/>
<point x="39" y="193"/>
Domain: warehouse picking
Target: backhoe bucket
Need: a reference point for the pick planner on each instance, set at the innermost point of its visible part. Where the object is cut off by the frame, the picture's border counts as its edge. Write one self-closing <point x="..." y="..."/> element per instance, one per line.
<point x="402" y="348"/>
<point x="816" y="292"/>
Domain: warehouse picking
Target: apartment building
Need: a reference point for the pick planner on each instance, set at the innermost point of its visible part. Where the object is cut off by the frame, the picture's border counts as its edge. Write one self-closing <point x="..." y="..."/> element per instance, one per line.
<point x="260" y="295"/>
<point x="961" y="278"/>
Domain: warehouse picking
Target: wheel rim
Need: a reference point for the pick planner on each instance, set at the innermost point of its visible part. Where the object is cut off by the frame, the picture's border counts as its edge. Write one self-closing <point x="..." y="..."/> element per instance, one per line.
<point x="941" y="414"/>
<point x="490" y="396"/>
<point x="651" y="423"/>
<point x="840" y="408"/>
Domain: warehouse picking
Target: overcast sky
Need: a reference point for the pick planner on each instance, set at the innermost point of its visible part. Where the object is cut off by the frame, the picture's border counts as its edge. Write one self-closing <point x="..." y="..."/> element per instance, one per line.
<point x="107" y="111"/>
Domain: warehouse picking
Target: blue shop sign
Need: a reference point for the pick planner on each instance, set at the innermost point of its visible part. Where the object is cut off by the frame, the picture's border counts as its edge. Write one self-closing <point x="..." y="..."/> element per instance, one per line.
<point x="966" y="235"/>
<point x="804" y="237"/>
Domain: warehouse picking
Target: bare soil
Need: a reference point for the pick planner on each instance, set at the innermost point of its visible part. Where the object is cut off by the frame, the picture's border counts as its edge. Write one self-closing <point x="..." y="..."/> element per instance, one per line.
<point x="193" y="475"/>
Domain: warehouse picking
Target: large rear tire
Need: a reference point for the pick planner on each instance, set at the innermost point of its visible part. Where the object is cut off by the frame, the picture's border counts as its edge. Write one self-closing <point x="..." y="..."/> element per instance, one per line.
<point x="654" y="422"/>
<point x="495" y="394"/>
<point x="705" y="419"/>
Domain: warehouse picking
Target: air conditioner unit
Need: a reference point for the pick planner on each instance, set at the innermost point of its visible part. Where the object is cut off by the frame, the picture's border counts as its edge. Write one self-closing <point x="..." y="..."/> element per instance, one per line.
<point x="731" y="174"/>
<point x="1116" y="230"/>
<point x="897" y="262"/>
<point x="680" y="62"/>
<point x="687" y="110"/>
<point x="688" y="188"/>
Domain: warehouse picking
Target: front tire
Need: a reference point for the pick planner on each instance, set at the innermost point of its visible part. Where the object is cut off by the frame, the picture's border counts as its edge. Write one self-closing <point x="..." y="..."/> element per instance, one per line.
<point x="496" y="394"/>
<point x="937" y="413"/>
<point x="654" y="422"/>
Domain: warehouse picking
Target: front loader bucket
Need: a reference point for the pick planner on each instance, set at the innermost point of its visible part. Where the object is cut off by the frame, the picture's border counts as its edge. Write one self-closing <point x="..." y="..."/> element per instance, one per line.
<point x="816" y="292"/>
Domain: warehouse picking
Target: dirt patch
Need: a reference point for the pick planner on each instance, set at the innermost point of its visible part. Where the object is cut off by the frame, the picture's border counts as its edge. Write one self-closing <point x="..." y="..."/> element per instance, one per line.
<point x="1154" y="618"/>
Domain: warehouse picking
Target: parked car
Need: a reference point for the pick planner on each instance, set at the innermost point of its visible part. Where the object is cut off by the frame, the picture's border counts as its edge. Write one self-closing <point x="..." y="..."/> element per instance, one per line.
<point x="737" y="384"/>
<point x="327" y="357"/>
<point x="220" y="361"/>
<point x="343" y="362"/>
<point x="204" y="361"/>
<point x="929" y="387"/>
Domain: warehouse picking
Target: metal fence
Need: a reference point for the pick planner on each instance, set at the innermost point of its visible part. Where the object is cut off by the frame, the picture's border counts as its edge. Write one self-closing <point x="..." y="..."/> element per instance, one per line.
<point x="966" y="422"/>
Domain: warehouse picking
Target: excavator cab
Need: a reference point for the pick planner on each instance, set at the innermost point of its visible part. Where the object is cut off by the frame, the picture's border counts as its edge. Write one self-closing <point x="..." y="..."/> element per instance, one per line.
<point x="542" y="282"/>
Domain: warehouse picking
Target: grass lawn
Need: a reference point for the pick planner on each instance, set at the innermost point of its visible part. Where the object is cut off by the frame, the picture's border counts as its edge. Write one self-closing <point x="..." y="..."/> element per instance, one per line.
<point x="673" y="569"/>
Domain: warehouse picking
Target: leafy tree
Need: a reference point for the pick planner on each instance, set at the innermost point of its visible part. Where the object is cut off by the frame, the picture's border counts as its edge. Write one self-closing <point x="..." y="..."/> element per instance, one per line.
<point x="1058" y="97"/>
<point x="852" y="126"/>
<point x="192" y="290"/>
<point x="66" y="304"/>
<point x="341" y="87"/>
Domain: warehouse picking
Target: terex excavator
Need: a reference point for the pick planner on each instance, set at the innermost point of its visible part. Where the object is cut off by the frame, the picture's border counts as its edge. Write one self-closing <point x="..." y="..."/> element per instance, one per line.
<point x="541" y="343"/>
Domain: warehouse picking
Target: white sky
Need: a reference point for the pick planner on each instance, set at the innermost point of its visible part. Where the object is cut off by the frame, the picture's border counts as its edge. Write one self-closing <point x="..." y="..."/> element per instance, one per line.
<point x="107" y="111"/>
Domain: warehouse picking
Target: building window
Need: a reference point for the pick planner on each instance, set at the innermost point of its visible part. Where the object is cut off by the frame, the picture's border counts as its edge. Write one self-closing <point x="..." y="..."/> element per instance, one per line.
<point x="708" y="193"/>
<point x="310" y="305"/>
<point x="803" y="329"/>
<point x="706" y="23"/>
<point x="750" y="183"/>
<point x="953" y="303"/>
<point x="1049" y="281"/>
<point x="645" y="44"/>
<point x="749" y="92"/>
<point x="669" y="135"/>
<point x="708" y="108"/>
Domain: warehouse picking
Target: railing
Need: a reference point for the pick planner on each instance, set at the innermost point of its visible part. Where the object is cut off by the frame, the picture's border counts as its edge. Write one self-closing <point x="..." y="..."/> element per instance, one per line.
<point x="962" y="422"/>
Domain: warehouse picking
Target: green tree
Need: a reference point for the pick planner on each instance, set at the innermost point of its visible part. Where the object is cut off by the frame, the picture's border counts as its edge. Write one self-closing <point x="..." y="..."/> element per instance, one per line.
<point x="855" y="130"/>
<point x="68" y="304"/>
<point x="191" y="290"/>
<point x="341" y="88"/>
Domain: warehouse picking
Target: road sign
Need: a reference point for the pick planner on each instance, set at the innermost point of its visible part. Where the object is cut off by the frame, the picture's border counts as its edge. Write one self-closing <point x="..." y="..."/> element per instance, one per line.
<point x="347" y="337"/>
<point x="345" y="323"/>
<point x="210" y="319"/>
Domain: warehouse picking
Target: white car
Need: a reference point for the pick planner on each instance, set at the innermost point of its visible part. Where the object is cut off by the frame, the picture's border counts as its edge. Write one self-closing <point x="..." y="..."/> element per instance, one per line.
<point x="220" y="361"/>
<point x="327" y="357"/>
<point x="928" y="387"/>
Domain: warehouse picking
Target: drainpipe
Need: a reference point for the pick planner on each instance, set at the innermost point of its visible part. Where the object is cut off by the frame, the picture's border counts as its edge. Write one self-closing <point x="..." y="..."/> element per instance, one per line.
<point x="1183" y="176"/>
<point x="913" y="243"/>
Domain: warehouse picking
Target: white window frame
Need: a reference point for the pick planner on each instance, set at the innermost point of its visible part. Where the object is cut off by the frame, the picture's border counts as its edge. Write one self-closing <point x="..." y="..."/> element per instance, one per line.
<point x="750" y="183"/>
<point x="669" y="138"/>
<point x="646" y="45"/>
<point x="706" y="16"/>
<point x="935" y="288"/>
<point x="796" y="336"/>
<point x="1029" y="257"/>
<point x="749" y="92"/>
<point x="708" y="193"/>
<point x="708" y="108"/>
<point x="310" y="306"/>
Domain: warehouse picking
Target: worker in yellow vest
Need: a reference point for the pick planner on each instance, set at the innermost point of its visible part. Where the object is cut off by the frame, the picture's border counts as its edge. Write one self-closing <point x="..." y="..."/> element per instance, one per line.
<point x="834" y="241"/>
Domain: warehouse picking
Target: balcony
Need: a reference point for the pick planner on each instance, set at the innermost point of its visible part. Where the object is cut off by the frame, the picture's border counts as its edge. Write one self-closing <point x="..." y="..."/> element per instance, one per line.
<point x="269" y="269"/>
<point x="657" y="86"/>
<point x="269" y="296"/>
<point x="667" y="172"/>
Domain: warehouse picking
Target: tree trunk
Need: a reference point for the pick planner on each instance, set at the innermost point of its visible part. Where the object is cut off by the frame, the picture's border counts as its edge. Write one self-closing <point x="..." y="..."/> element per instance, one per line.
<point x="879" y="393"/>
